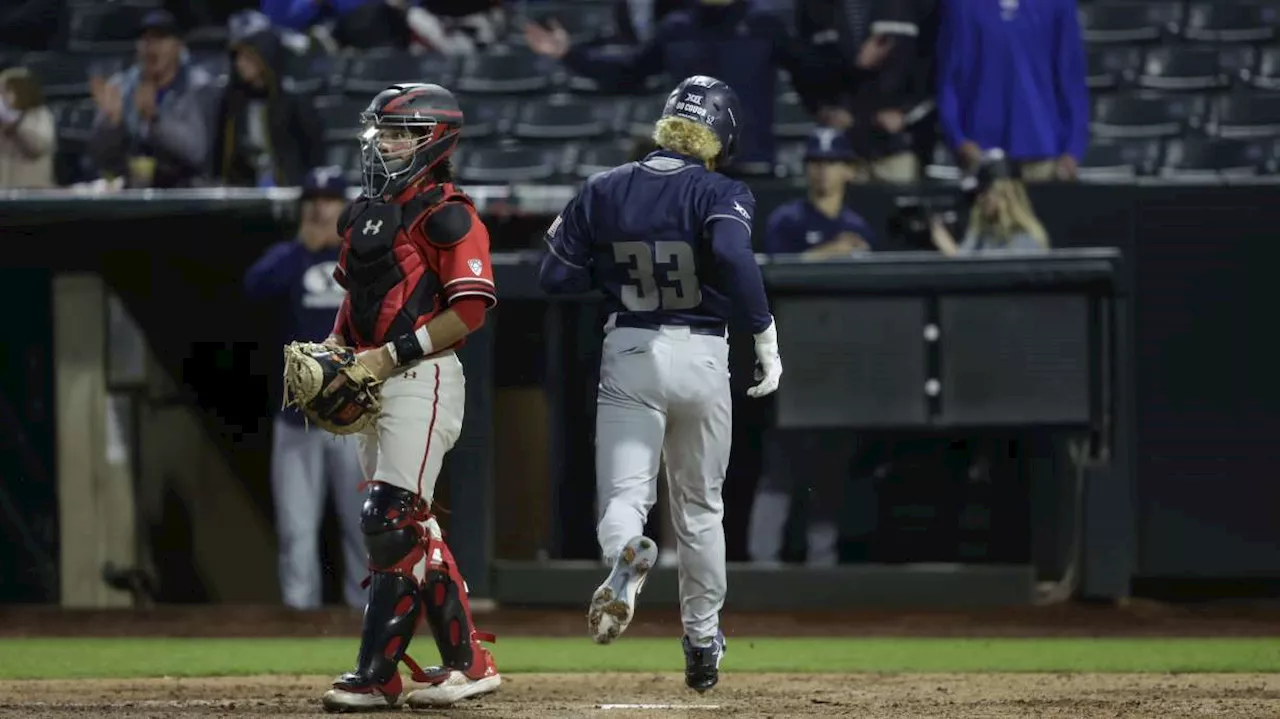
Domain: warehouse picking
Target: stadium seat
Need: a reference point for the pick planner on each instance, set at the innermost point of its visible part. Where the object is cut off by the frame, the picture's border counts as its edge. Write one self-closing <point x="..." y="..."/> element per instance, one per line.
<point x="600" y="157"/>
<point x="643" y="113"/>
<point x="792" y="120"/>
<point x="1236" y="61"/>
<point x="341" y="116"/>
<point x="512" y="71"/>
<point x="344" y="154"/>
<point x="1200" y="156"/>
<point x="1247" y="115"/>
<point x="1228" y="21"/>
<point x="1112" y="67"/>
<point x="789" y="159"/>
<point x="561" y="118"/>
<point x="509" y="164"/>
<point x="1116" y="160"/>
<point x="1146" y="115"/>
<point x="373" y="71"/>
<point x="1182" y="68"/>
<point x="1129" y="22"/>
<point x="484" y="116"/>
<point x="311" y="72"/>
<point x="104" y="27"/>
<point x="1267" y="76"/>
<point x="67" y="76"/>
<point x="587" y="86"/>
<point x="209" y="38"/>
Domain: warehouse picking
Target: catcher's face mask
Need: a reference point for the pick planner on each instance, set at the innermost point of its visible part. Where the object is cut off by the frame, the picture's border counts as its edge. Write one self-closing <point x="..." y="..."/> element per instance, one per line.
<point x="391" y="154"/>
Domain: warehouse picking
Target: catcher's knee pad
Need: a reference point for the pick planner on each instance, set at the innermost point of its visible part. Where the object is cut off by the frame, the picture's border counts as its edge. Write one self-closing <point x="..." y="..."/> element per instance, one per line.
<point x="448" y="610"/>
<point x="394" y="536"/>
<point x="391" y="521"/>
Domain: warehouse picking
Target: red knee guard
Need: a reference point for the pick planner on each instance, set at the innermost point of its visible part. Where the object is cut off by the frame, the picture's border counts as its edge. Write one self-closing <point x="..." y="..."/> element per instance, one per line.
<point x="448" y="611"/>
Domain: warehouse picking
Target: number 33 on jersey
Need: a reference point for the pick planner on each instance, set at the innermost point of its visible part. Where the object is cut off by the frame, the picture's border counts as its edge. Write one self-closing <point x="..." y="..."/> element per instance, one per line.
<point x="668" y="242"/>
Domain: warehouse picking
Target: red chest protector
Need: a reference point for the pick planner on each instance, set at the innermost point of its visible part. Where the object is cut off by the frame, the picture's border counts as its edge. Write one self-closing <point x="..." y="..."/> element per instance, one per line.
<point x="393" y="287"/>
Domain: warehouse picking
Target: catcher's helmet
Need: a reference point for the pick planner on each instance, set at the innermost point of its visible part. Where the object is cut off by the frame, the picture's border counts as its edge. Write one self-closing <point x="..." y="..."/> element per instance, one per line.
<point x="708" y="101"/>
<point x="407" y="130"/>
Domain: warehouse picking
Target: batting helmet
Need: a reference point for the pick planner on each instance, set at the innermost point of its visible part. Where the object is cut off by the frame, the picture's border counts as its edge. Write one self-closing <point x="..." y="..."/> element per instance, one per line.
<point x="708" y="101"/>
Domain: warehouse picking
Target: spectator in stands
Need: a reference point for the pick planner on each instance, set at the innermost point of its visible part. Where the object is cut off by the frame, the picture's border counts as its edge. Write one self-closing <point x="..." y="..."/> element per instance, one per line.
<point x="820" y="225"/>
<point x="638" y="20"/>
<point x="265" y="136"/>
<point x="27" y="133"/>
<point x="361" y="24"/>
<point x="1002" y="219"/>
<point x="1012" y="75"/>
<point x="153" y="118"/>
<point x="455" y="27"/>
<point x="723" y="38"/>
<point x="875" y="44"/>
<point x="306" y="465"/>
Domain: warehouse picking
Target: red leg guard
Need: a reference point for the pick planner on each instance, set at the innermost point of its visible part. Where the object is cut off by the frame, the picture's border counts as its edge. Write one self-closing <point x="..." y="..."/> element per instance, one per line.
<point x="448" y="611"/>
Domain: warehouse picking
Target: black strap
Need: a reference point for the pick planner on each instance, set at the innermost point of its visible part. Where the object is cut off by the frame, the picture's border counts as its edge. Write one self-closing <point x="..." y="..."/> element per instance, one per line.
<point x="408" y="349"/>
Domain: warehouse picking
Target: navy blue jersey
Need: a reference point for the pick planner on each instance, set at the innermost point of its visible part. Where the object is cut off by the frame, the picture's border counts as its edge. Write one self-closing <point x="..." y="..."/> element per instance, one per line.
<point x="797" y="226"/>
<point x="668" y="242"/>
<point x="302" y="284"/>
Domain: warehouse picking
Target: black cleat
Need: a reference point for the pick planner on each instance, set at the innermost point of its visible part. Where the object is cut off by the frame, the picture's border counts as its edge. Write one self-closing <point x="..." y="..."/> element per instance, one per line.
<point x="702" y="664"/>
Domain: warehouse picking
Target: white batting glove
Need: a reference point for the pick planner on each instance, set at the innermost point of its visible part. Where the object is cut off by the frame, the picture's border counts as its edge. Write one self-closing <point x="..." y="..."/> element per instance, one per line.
<point x="768" y="363"/>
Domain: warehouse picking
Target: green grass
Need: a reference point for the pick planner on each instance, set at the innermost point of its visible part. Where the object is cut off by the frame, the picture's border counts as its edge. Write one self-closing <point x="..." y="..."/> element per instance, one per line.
<point x="77" y="658"/>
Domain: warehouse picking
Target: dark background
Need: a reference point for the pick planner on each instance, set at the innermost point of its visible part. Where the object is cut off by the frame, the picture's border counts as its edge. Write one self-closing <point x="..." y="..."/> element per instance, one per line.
<point x="1199" y="262"/>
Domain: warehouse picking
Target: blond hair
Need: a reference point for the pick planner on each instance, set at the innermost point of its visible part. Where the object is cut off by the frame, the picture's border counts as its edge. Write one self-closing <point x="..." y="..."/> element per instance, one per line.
<point x="687" y="138"/>
<point x="1015" y="214"/>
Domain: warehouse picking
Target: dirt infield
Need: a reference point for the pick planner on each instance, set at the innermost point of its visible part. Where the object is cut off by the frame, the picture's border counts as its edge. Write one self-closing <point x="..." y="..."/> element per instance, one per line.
<point x="534" y="696"/>
<point x="740" y="695"/>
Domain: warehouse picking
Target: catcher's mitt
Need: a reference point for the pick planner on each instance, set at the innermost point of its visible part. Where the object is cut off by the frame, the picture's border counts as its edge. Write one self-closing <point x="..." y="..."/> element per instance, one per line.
<point x="332" y="389"/>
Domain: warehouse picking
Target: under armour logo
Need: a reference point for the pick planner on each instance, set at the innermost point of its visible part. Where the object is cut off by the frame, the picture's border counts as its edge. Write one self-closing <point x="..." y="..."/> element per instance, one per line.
<point x="411" y="374"/>
<point x="741" y="210"/>
<point x="371" y="227"/>
<point x="476" y="266"/>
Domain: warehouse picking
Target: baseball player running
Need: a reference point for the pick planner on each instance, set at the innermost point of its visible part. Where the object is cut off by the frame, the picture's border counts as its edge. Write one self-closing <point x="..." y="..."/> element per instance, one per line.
<point x="668" y="240"/>
<point x="415" y="264"/>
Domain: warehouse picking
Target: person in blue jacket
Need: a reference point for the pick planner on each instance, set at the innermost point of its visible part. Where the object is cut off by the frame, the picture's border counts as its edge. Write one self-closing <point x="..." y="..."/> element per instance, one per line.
<point x="306" y="463"/>
<point x="820" y="225"/>
<point x="1012" y="75"/>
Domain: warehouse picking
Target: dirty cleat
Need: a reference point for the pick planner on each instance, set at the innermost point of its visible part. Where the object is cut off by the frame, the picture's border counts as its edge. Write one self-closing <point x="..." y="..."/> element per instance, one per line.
<point x="614" y="602"/>
<point x="702" y="664"/>
<point x="354" y="692"/>
<point x="447" y="687"/>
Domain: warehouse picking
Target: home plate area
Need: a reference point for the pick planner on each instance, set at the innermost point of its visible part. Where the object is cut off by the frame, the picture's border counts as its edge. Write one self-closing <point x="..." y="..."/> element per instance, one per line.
<point x="664" y="695"/>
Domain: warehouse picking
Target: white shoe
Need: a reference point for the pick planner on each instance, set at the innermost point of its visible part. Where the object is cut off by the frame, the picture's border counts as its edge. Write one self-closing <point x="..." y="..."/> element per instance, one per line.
<point x="340" y="701"/>
<point x="614" y="602"/>
<point x="452" y="690"/>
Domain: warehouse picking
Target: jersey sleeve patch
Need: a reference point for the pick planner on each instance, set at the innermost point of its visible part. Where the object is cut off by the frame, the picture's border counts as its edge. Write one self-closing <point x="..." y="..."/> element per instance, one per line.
<point x="448" y="225"/>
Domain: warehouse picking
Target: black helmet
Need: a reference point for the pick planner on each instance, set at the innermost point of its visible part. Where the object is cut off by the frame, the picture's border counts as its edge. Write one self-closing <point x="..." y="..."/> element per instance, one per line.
<point x="708" y="101"/>
<point x="430" y="112"/>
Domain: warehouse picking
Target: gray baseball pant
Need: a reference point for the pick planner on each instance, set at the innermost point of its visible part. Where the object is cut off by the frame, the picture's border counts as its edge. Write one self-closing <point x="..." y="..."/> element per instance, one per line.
<point x="664" y="395"/>
<point x="306" y="465"/>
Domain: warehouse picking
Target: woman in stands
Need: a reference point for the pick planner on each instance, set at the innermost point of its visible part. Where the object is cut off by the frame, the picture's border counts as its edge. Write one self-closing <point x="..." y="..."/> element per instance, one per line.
<point x="27" y="137"/>
<point x="1002" y="219"/>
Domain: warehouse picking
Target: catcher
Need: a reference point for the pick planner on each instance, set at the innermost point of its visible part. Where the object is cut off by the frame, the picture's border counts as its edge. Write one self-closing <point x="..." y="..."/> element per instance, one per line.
<point x="415" y="264"/>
